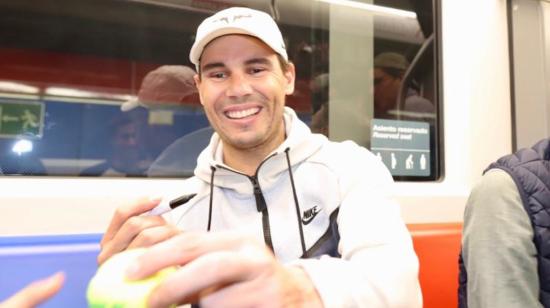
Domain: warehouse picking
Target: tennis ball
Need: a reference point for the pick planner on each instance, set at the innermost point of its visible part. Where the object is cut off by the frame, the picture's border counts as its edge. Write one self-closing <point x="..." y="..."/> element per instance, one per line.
<point x="109" y="288"/>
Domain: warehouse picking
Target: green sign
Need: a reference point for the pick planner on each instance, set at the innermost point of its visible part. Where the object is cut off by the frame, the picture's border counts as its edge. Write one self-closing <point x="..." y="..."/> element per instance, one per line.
<point x="21" y="118"/>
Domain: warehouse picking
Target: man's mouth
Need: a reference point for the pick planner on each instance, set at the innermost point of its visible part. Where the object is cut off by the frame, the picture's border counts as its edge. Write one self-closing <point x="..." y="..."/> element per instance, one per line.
<point x="241" y="114"/>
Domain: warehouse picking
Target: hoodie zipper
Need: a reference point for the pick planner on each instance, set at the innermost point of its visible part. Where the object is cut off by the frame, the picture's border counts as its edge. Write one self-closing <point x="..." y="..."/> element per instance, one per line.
<point x="261" y="206"/>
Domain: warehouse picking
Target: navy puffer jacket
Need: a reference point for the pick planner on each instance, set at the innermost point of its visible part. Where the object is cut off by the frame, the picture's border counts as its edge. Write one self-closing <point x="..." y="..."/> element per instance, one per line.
<point x="530" y="170"/>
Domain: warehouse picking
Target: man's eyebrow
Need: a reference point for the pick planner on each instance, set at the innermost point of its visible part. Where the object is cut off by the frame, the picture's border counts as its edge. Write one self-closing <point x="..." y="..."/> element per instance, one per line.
<point x="217" y="65"/>
<point x="264" y="61"/>
<point x="212" y="65"/>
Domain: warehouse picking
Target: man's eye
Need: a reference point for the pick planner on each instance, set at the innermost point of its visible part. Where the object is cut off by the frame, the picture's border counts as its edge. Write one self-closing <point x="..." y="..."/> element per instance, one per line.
<point x="217" y="75"/>
<point x="256" y="70"/>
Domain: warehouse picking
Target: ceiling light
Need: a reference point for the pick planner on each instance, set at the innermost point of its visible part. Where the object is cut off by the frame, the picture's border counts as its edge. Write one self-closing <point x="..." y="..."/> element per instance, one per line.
<point x="376" y="9"/>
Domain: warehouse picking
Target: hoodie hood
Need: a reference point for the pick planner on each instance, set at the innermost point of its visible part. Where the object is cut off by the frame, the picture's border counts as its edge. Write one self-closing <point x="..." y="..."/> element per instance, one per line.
<point x="300" y="142"/>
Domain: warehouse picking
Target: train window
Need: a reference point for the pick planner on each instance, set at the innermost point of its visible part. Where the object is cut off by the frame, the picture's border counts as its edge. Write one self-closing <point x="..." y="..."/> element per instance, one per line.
<point x="530" y="22"/>
<point x="104" y="88"/>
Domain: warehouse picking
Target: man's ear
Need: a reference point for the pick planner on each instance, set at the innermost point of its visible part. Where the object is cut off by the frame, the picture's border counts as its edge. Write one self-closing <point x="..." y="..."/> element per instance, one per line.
<point x="197" y="80"/>
<point x="290" y="76"/>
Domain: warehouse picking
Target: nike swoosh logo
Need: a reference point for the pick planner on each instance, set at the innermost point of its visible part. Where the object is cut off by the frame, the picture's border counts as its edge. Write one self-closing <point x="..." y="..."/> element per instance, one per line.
<point x="310" y="214"/>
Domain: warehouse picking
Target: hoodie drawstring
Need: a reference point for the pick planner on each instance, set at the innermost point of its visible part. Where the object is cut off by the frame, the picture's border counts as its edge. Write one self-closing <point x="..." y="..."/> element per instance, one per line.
<point x="296" y="203"/>
<point x="213" y="169"/>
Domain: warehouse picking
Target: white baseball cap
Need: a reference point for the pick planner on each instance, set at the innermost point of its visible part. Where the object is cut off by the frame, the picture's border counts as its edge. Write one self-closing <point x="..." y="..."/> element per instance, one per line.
<point x="238" y="20"/>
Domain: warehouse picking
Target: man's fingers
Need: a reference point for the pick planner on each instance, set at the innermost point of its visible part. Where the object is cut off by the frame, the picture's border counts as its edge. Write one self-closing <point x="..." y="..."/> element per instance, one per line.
<point x="151" y="236"/>
<point x="127" y="233"/>
<point x="36" y="292"/>
<point x="123" y="213"/>
<point x="186" y="247"/>
<point x="208" y="272"/>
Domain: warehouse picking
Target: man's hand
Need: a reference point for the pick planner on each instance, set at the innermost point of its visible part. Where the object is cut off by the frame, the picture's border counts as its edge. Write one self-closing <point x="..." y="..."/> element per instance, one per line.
<point x="35" y="293"/>
<point x="223" y="270"/>
<point x="130" y="229"/>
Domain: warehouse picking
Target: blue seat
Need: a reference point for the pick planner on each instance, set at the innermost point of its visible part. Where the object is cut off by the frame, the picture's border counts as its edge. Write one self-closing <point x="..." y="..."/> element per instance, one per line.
<point x="25" y="259"/>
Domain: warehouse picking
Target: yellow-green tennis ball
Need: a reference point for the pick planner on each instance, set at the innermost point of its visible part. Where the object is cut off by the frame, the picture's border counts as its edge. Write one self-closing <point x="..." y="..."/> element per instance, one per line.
<point x="109" y="288"/>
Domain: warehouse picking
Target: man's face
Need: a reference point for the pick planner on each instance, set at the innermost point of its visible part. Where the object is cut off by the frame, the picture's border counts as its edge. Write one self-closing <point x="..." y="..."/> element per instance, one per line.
<point x="125" y="142"/>
<point x="242" y="88"/>
<point x="386" y="88"/>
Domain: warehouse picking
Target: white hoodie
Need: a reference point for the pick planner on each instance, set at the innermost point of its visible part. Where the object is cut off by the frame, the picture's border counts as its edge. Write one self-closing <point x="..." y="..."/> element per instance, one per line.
<point x="348" y="236"/>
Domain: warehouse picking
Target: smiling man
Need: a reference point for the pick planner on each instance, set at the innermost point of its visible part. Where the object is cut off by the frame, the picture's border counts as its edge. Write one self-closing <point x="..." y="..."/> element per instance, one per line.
<point x="242" y="86"/>
<point x="276" y="216"/>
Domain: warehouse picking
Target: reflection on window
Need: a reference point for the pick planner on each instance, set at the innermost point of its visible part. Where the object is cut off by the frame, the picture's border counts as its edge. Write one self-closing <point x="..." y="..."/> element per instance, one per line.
<point x="106" y="89"/>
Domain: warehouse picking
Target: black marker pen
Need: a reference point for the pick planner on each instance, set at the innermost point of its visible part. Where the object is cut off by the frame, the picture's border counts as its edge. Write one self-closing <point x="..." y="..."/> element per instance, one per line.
<point x="165" y="207"/>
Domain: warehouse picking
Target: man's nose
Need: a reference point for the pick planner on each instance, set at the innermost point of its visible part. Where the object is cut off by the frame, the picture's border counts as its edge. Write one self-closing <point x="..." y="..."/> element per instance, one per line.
<point x="239" y="85"/>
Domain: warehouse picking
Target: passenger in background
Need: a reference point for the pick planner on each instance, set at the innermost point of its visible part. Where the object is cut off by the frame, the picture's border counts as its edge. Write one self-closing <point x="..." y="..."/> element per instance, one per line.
<point x="319" y="120"/>
<point x="179" y="159"/>
<point x="126" y="155"/>
<point x="35" y="293"/>
<point x="320" y="115"/>
<point x="165" y="86"/>
<point x="389" y="69"/>
<point x="505" y="258"/>
<point x="275" y="215"/>
<point x="171" y="86"/>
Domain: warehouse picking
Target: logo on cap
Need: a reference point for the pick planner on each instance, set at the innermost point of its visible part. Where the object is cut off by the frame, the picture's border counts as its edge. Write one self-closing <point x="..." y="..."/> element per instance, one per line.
<point x="235" y="17"/>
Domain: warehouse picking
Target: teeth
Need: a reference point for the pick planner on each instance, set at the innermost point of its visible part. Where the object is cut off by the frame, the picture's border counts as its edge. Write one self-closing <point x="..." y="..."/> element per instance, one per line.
<point x="242" y="113"/>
